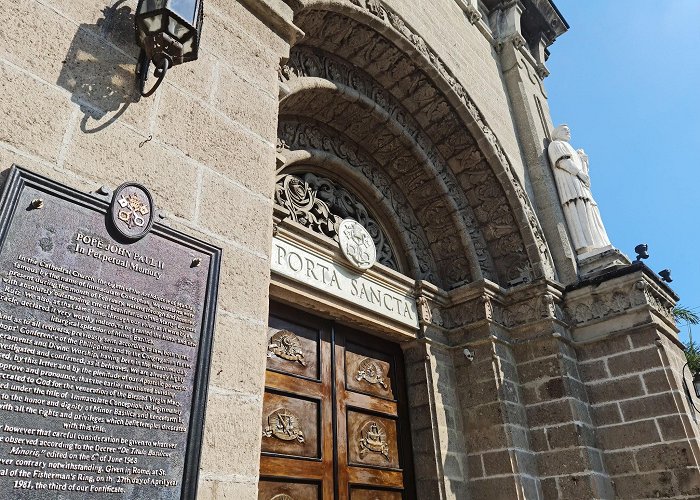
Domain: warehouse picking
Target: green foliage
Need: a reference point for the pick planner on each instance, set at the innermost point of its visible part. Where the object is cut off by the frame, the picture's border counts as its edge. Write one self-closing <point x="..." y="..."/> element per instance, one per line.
<point x="686" y="317"/>
<point x="692" y="355"/>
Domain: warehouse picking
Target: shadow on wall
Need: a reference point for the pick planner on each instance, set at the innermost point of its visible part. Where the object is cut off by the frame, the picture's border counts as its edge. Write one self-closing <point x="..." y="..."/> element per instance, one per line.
<point x="99" y="68"/>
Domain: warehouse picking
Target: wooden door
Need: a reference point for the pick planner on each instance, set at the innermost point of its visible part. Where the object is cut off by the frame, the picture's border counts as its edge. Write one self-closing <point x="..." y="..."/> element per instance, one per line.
<point x="334" y="418"/>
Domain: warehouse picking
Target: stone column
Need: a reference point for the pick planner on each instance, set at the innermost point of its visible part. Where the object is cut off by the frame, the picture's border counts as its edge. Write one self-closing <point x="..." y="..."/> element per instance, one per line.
<point x="559" y="416"/>
<point x="500" y="457"/>
<point x="523" y="71"/>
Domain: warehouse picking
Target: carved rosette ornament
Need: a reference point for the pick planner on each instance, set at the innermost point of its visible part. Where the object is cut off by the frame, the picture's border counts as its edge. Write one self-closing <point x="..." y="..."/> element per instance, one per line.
<point x="282" y="496"/>
<point x="284" y="425"/>
<point x="286" y="345"/>
<point x="356" y="244"/>
<point x="371" y="372"/>
<point x="374" y="439"/>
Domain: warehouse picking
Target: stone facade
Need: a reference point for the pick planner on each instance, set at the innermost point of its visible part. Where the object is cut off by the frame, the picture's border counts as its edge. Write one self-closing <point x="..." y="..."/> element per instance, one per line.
<point x="527" y="377"/>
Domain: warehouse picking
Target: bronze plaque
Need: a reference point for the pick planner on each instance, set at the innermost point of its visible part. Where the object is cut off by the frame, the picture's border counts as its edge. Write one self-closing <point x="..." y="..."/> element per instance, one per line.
<point x="105" y="344"/>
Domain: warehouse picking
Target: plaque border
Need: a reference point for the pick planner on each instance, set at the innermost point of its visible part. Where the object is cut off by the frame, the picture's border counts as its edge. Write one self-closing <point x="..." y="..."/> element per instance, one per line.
<point x="20" y="177"/>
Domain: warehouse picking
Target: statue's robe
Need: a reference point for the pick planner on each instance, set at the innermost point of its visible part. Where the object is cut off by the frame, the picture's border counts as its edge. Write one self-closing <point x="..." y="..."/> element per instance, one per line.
<point x="580" y="210"/>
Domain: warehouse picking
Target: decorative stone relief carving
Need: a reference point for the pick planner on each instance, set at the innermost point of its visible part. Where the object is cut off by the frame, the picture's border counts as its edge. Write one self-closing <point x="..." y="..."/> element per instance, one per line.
<point x="356" y="244"/>
<point x="284" y="425"/>
<point x="374" y="439"/>
<point x="301" y="136"/>
<point x="379" y="10"/>
<point x="413" y="182"/>
<point x="286" y="345"/>
<point x="616" y="301"/>
<point x="371" y="372"/>
<point x="321" y="205"/>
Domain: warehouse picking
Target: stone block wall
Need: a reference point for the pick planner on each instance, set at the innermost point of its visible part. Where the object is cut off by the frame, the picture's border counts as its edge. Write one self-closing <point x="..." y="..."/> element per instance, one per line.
<point x="204" y="144"/>
<point x="644" y="422"/>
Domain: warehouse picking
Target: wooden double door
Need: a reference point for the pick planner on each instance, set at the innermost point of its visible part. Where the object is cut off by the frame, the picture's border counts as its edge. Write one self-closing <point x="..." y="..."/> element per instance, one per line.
<point x="334" y="420"/>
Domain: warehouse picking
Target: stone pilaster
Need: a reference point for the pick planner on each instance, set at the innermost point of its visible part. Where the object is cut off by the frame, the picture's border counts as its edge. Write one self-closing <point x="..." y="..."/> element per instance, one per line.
<point x="632" y="365"/>
<point x="523" y="69"/>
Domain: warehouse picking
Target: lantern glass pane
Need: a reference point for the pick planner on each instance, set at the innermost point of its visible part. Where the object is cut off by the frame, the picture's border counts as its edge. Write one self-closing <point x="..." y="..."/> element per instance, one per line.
<point x="151" y="5"/>
<point x="153" y="24"/>
<point x="186" y="9"/>
<point x="187" y="47"/>
<point x="177" y="29"/>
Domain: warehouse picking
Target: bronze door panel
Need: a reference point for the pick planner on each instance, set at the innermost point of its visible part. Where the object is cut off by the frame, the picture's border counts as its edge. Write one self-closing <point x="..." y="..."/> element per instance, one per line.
<point x="278" y="490"/>
<point x="368" y="375"/>
<point x="293" y="348"/>
<point x="372" y="440"/>
<point x="290" y="426"/>
<point x="365" y="494"/>
<point x="334" y="413"/>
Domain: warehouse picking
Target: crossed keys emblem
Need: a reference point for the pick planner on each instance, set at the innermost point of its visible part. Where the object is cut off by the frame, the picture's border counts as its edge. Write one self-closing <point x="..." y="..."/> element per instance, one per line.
<point x="284" y="425"/>
<point x="132" y="210"/>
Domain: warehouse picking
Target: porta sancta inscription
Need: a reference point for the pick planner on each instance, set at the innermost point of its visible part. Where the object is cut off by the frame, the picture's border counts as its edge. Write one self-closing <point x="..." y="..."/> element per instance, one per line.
<point x="104" y="349"/>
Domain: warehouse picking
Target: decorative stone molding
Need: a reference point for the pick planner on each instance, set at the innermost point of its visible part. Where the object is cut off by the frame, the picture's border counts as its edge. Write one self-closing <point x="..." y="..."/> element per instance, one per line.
<point x="313" y="63"/>
<point x="321" y="205"/>
<point x="516" y="39"/>
<point x="625" y="298"/>
<point x="295" y="135"/>
<point x="524" y="212"/>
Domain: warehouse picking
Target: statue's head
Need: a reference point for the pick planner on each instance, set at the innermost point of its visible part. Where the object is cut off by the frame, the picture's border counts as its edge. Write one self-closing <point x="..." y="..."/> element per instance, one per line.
<point x="562" y="133"/>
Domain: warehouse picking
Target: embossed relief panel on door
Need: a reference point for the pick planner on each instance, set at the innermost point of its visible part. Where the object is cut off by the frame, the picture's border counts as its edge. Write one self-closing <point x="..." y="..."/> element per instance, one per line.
<point x="279" y="490"/>
<point x="292" y="349"/>
<point x="369" y="494"/>
<point x="372" y="440"/>
<point x="290" y="426"/>
<point x="367" y="373"/>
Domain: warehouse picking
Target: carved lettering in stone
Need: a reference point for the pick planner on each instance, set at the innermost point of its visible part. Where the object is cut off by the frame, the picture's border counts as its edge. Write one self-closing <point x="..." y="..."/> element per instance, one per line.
<point x="284" y="425"/>
<point x="374" y="439"/>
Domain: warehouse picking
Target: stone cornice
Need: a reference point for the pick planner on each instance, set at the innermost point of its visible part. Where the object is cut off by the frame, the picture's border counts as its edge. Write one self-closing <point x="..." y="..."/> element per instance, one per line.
<point x="278" y="16"/>
<point x="628" y="298"/>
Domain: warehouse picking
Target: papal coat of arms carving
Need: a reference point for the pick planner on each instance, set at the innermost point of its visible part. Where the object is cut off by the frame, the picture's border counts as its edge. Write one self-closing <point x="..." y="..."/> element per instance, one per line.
<point x="356" y="244"/>
<point x="132" y="210"/>
<point x="374" y="439"/>
<point x="370" y="371"/>
<point x="286" y="345"/>
<point x="284" y="425"/>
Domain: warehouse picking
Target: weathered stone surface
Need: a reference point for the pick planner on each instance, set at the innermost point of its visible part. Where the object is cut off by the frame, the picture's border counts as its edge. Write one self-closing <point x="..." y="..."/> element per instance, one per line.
<point x="239" y="355"/>
<point x="39" y="134"/>
<point x="114" y="155"/>
<point x="232" y="435"/>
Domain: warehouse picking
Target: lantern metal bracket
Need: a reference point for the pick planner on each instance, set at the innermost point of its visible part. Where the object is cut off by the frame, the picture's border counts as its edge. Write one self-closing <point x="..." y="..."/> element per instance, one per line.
<point x="696" y="380"/>
<point x="142" y="73"/>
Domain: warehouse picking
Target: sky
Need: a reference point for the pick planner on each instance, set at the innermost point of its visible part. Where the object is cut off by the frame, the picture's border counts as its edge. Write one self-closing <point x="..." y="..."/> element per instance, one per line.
<point x="626" y="78"/>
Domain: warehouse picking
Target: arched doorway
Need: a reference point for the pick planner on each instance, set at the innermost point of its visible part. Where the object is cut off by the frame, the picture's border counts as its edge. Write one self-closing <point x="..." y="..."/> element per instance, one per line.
<point x="373" y="127"/>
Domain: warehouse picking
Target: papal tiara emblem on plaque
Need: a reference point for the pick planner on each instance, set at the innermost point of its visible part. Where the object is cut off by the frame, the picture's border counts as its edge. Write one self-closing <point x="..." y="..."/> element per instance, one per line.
<point x="132" y="210"/>
<point x="356" y="244"/>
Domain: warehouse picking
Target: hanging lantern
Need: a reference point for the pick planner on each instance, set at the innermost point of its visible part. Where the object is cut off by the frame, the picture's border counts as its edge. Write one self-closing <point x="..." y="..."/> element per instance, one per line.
<point x="168" y="32"/>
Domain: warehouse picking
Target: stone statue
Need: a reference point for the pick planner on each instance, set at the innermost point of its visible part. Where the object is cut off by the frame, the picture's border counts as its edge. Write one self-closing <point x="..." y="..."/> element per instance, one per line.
<point x="574" y="186"/>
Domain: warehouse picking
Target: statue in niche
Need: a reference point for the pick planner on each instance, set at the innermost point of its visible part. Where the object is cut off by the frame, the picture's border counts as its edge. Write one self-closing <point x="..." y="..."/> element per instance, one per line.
<point x="574" y="186"/>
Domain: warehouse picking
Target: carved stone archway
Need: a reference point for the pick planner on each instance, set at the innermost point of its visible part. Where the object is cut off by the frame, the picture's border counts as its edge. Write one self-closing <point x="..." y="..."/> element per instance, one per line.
<point x="364" y="88"/>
